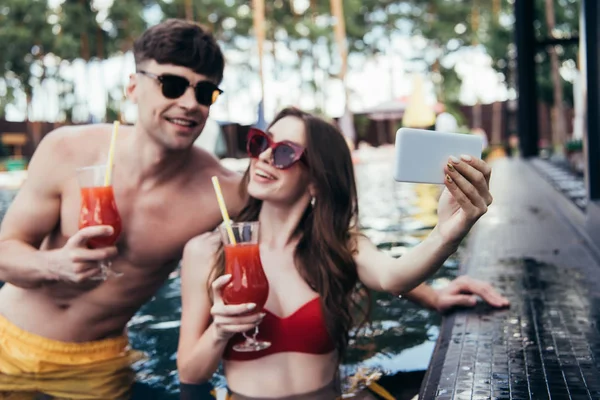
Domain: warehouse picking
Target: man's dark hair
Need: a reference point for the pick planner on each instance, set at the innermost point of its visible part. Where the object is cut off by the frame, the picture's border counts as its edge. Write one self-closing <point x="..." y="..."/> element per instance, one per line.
<point x="182" y="43"/>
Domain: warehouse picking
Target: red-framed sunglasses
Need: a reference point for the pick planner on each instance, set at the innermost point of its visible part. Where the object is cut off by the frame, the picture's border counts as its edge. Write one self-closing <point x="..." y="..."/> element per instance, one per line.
<point x="284" y="154"/>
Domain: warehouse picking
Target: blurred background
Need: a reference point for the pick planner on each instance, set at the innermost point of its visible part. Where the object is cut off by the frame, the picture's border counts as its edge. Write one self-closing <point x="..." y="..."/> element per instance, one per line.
<point x="373" y="65"/>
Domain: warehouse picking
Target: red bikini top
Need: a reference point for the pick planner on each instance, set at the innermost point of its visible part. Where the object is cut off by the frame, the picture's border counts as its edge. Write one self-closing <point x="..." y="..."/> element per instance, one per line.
<point x="304" y="331"/>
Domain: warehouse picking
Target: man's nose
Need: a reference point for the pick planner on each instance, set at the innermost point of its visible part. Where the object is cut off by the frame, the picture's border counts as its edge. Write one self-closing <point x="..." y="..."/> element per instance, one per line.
<point x="188" y="99"/>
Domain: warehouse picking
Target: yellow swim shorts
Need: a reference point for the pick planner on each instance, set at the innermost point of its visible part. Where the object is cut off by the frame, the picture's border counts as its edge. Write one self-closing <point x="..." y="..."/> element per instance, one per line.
<point x="31" y="365"/>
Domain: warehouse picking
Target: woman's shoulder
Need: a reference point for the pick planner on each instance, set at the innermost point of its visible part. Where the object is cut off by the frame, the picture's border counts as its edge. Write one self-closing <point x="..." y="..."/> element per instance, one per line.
<point x="355" y="240"/>
<point x="201" y="250"/>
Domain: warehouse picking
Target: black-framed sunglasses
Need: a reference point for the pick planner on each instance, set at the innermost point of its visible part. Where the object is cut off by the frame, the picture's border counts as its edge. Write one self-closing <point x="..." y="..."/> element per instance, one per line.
<point x="174" y="86"/>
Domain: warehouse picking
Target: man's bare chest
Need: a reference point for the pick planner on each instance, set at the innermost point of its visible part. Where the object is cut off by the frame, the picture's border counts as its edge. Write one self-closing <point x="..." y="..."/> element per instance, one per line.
<point x="155" y="227"/>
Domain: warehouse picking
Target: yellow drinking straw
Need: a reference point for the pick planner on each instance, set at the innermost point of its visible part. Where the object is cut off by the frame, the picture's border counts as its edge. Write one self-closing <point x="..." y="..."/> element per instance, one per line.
<point x="111" y="155"/>
<point x="224" y="213"/>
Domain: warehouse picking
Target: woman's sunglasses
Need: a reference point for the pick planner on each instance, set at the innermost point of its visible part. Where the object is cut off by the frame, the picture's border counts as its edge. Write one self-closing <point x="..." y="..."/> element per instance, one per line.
<point x="174" y="86"/>
<point x="283" y="154"/>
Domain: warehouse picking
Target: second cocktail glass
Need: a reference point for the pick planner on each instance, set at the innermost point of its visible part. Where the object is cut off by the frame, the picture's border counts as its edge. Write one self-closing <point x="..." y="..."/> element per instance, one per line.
<point x="248" y="280"/>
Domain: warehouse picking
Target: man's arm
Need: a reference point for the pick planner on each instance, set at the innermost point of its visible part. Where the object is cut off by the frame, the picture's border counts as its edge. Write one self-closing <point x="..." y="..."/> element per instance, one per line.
<point x="31" y="217"/>
<point x="34" y="213"/>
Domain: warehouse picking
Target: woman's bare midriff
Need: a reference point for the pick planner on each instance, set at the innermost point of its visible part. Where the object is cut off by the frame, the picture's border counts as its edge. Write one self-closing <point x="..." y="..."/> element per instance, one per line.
<point x="282" y="374"/>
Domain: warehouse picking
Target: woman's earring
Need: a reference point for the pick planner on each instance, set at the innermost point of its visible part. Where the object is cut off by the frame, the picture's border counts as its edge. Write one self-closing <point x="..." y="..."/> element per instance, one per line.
<point x="313" y="200"/>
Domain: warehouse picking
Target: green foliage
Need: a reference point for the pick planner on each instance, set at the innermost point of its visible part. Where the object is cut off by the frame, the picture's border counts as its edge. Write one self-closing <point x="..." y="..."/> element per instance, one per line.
<point x="361" y="125"/>
<point x="6" y="97"/>
<point x="574" y="145"/>
<point x="26" y="37"/>
<point x="228" y="20"/>
<point x="124" y="23"/>
<point x="499" y="44"/>
<point x="75" y="30"/>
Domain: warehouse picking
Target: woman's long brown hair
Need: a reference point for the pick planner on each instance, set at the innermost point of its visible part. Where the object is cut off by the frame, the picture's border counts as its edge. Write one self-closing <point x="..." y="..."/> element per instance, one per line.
<point x="327" y="230"/>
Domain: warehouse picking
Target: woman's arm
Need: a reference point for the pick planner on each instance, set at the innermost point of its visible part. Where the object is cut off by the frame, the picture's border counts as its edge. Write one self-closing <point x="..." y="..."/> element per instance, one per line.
<point x="202" y="342"/>
<point x="464" y="201"/>
<point x="424" y="295"/>
<point x="382" y="272"/>
<point x="461" y="292"/>
<point x="200" y="350"/>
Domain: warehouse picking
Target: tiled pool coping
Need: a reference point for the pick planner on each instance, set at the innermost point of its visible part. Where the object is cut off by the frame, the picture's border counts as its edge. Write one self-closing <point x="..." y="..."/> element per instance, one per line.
<point x="547" y="345"/>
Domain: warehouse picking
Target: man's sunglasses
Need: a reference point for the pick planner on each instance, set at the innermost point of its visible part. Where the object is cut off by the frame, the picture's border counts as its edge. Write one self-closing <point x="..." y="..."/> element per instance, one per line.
<point x="283" y="155"/>
<point x="174" y="86"/>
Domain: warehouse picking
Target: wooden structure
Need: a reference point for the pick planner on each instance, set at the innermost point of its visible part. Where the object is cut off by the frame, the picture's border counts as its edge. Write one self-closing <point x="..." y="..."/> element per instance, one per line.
<point x="16" y="141"/>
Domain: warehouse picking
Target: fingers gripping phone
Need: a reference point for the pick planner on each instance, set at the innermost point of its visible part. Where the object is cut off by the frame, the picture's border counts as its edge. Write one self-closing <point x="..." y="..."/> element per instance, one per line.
<point x="421" y="154"/>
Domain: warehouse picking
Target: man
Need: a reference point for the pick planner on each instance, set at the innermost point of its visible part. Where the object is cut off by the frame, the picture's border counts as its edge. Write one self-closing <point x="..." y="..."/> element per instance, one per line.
<point x="164" y="194"/>
<point x="61" y="332"/>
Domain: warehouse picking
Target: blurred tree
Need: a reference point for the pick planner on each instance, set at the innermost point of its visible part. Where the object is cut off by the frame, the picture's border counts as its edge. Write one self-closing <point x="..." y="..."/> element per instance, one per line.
<point x="554" y="19"/>
<point x="76" y="30"/>
<point x="450" y="26"/>
<point x="124" y="22"/>
<point x="446" y="26"/>
<point x="79" y="35"/>
<point x="6" y="97"/>
<point x="87" y="34"/>
<point x="26" y="36"/>
<point x="229" y="20"/>
<point x="499" y="44"/>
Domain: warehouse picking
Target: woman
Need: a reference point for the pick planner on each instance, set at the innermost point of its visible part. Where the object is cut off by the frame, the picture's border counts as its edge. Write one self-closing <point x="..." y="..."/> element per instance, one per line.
<point x="301" y="188"/>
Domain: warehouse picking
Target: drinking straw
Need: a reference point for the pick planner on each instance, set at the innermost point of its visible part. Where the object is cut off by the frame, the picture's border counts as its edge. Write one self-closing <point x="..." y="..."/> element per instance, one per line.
<point x="111" y="155"/>
<point x="223" y="208"/>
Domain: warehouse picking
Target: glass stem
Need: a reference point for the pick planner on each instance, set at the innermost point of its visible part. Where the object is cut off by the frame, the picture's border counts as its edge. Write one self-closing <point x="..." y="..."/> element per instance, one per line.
<point x="253" y="338"/>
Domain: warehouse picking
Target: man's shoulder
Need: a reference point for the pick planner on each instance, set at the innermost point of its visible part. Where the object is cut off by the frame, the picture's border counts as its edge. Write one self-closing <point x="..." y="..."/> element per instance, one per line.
<point x="80" y="130"/>
<point x="70" y="136"/>
<point x="67" y="144"/>
<point x="209" y="164"/>
<point x="203" y="158"/>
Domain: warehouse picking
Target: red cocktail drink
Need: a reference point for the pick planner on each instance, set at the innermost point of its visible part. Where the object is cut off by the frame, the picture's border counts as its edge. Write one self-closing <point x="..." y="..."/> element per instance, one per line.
<point x="248" y="281"/>
<point x="98" y="207"/>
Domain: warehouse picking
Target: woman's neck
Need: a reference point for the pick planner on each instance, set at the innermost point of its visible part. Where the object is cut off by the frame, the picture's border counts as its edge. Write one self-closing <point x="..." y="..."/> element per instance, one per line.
<point x="278" y="223"/>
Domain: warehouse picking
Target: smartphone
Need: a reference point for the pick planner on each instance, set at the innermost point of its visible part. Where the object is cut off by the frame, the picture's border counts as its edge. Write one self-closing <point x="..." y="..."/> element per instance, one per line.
<point x="421" y="154"/>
